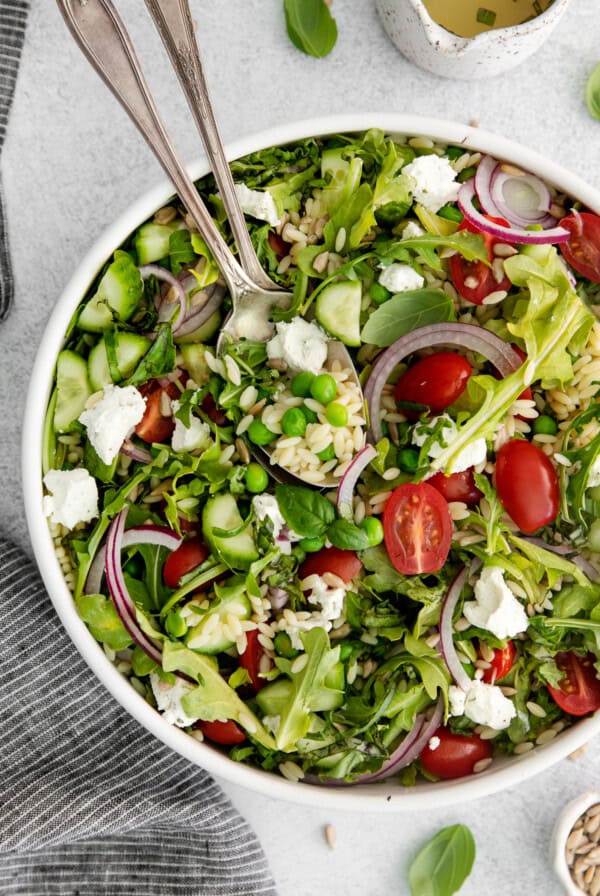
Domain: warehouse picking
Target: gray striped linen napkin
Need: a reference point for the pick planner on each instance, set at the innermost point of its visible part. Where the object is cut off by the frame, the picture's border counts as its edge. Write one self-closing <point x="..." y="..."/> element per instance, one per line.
<point x="92" y="804"/>
<point x="13" y="17"/>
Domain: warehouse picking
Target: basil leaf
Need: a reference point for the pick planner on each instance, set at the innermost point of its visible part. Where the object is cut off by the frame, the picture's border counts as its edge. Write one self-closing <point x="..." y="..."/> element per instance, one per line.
<point x="345" y="535"/>
<point x="306" y="512"/>
<point x="310" y="26"/>
<point x="592" y="93"/>
<point x="405" y="312"/>
<point x="443" y="864"/>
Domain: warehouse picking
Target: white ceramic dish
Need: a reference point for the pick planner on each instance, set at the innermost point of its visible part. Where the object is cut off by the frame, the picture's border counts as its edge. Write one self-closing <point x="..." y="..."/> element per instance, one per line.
<point x="562" y="829"/>
<point x="505" y="772"/>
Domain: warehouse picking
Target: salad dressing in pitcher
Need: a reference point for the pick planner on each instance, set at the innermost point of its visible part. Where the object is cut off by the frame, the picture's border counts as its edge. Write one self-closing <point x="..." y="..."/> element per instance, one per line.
<point x="468" y="18"/>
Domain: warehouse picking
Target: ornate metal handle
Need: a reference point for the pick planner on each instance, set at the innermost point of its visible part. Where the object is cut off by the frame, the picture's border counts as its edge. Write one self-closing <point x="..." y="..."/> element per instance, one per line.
<point x="174" y="23"/>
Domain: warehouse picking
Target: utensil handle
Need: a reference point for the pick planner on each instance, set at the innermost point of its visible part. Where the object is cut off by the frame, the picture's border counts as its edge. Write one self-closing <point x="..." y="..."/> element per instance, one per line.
<point x="101" y="35"/>
<point x="174" y="23"/>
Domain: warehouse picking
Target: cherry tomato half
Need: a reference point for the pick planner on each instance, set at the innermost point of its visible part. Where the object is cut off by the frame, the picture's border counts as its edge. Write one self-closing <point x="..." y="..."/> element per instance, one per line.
<point x="253" y="659"/>
<point x="527" y="485"/>
<point x="457" y="487"/>
<point x="582" y="250"/>
<point x="227" y="733"/>
<point x="154" y="425"/>
<point x="436" y="381"/>
<point x="417" y="528"/>
<point x="474" y="280"/>
<point x="455" y="755"/>
<point x="501" y="663"/>
<point x="344" y="564"/>
<point x="184" y="559"/>
<point x="579" y="691"/>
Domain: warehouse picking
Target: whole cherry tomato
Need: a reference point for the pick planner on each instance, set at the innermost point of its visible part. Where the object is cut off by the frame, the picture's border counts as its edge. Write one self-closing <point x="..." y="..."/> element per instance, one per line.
<point x="226" y="733"/>
<point x="527" y="485"/>
<point x="435" y="381"/>
<point x="449" y="755"/>
<point x="184" y="559"/>
<point x="343" y="564"/>
<point x="457" y="487"/>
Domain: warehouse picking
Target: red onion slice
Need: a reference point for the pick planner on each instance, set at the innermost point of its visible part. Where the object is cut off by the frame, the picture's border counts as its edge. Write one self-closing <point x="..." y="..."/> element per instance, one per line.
<point x="118" y="589"/>
<point x="135" y="452"/>
<point x="162" y="306"/>
<point x="447" y="647"/>
<point x="348" y="481"/>
<point x="199" y="314"/>
<point x="483" y="180"/>
<point x="158" y="535"/>
<point x="522" y="199"/>
<point x="466" y="194"/>
<point x="468" y="336"/>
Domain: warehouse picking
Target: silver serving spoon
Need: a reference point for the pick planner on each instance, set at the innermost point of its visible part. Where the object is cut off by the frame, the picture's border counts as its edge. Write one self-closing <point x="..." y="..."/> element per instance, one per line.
<point x="101" y="35"/>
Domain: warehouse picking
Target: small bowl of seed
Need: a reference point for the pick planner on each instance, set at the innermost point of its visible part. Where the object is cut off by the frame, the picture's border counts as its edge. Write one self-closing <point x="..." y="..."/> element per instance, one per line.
<point x="576" y="845"/>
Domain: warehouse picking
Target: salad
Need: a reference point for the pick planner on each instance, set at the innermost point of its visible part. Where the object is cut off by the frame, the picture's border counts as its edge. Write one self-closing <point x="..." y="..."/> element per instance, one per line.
<point x="437" y="607"/>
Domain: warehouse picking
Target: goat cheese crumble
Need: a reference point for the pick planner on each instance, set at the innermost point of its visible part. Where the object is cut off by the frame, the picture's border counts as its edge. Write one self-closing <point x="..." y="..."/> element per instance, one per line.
<point x="192" y="437"/>
<point x="73" y="497"/>
<point x="258" y="204"/>
<point x="168" y="700"/>
<point x="433" y="181"/>
<point x="111" y="419"/>
<point x="495" y="608"/>
<point x="484" y="704"/>
<point x="302" y="345"/>
<point x="399" y="277"/>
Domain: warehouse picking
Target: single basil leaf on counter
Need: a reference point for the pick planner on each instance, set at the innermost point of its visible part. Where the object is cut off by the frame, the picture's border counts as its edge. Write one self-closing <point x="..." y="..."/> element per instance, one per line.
<point x="405" y="312"/>
<point x="310" y="26"/>
<point x="592" y="93"/>
<point x="444" y="863"/>
<point x="306" y="512"/>
<point x="345" y="535"/>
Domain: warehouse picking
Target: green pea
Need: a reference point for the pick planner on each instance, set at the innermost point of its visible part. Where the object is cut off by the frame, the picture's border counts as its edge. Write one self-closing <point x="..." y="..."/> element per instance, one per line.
<point x="257" y="479"/>
<point x="301" y="384"/>
<point x="379" y="293"/>
<point x="327" y="453"/>
<point x="323" y="388"/>
<point x="283" y="645"/>
<point x="466" y="174"/>
<point x="309" y="415"/>
<point x="259" y="433"/>
<point x="545" y="425"/>
<point x="312" y="545"/>
<point x="408" y="459"/>
<point x="372" y="526"/>
<point x="337" y="414"/>
<point x="299" y="553"/>
<point x="175" y="626"/>
<point x="293" y="422"/>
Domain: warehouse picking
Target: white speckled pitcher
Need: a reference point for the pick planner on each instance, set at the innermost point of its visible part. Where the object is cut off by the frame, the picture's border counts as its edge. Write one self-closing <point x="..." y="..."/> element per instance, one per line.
<point x="432" y="47"/>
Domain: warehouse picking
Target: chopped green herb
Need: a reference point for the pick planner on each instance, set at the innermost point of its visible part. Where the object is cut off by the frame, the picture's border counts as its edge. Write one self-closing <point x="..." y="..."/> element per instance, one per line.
<point x="486" y="16"/>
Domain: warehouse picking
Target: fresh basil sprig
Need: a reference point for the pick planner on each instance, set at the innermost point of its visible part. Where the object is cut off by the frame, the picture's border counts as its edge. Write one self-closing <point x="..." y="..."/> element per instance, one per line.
<point x="311" y="515"/>
<point x="444" y="863"/>
<point x="310" y="26"/>
<point x="405" y="312"/>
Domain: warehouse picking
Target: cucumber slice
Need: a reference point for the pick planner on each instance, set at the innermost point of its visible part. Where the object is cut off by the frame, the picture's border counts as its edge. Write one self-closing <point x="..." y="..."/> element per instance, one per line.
<point x="203" y="333"/>
<point x="237" y="551"/>
<point x="119" y="293"/>
<point x="274" y="697"/>
<point x="152" y="242"/>
<point x="194" y="361"/>
<point x="210" y="637"/>
<point x="72" y="390"/>
<point x="338" y="310"/>
<point x="130" y="349"/>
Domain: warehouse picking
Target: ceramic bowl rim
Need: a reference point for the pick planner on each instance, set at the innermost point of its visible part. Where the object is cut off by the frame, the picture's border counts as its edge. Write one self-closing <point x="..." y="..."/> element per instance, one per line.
<point x="384" y="797"/>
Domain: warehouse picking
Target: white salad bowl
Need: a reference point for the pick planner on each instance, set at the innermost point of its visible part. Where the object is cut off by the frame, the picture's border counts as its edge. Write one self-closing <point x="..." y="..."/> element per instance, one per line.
<point x="388" y="796"/>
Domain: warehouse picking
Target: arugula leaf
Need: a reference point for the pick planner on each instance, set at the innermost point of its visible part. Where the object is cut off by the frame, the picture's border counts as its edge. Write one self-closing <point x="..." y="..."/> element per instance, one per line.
<point x="308" y="687"/>
<point x="212" y="698"/>
<point x="444" y="863"/>
<point x="551" y="299"/>
<point x="180" y="250"/>
<point x="306" y="512"/>
<point x="103" y="621"/>
<point x="405" y="312"/>
<point x="310" y="26"/>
